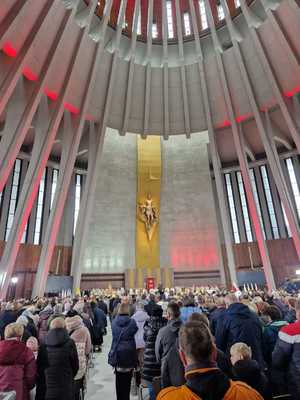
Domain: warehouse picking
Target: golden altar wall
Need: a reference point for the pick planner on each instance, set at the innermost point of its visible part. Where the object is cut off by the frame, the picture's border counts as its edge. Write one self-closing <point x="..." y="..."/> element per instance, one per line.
<point x="148" y="205"/>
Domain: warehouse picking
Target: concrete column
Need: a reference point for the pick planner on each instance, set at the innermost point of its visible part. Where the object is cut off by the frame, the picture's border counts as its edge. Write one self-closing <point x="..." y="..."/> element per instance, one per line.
<point x="239" y="144"/>
<point x="10" y="81"/>
<point x="23" y="106"/>
<point x="75" y="271"/>
<point x="5" y="206"/>
<point x="214" y="151"/>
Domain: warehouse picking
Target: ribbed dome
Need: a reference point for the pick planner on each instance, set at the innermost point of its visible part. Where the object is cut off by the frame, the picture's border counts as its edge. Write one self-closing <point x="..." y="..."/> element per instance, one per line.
<point x="153" y="14"/>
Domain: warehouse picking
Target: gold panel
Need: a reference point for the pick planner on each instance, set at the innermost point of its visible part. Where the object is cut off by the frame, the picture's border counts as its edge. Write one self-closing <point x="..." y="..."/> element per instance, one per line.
<point x="148" y="190"/>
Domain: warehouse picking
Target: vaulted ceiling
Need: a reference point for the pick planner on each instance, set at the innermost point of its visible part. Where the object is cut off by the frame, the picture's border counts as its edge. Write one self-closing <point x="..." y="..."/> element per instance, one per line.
<point x="149" y="85"/>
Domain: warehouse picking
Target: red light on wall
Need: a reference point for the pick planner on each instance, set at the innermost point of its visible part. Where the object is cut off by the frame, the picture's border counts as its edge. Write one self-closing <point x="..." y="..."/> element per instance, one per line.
<point x="30" y="75"/>
<point x="292" y="92"/>
<point x="226" y="123"/>
<point x="9" y="50"/>
<point x="242" y="118"/>
<point x="72" y="109"/>
<point x="49" y="93"/>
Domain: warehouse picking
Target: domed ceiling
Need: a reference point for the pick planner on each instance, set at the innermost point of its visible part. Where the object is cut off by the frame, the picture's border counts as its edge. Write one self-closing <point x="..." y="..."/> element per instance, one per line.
<point x="159" y="67"/>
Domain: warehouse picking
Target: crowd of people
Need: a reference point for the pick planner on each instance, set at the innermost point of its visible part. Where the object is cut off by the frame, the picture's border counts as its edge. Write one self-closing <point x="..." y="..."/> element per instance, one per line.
<point x="190" y="344"/>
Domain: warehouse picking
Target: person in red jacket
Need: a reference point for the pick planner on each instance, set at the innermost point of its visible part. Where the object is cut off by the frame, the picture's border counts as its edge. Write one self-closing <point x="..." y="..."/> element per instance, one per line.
<point x="17" y="363"/>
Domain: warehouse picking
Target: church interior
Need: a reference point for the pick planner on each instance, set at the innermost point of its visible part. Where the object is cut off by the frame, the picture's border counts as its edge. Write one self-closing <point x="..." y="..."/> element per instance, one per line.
<point x="148" y="139"/>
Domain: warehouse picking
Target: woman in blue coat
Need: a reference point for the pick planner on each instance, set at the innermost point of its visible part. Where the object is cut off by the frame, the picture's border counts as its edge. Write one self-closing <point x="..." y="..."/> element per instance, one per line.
<point x="123" y="355"/>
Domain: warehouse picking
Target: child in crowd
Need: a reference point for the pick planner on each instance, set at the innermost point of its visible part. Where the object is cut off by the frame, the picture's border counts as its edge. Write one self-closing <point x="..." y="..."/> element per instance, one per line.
<point x="247" y="370"/>
<point x="33" y="345"/>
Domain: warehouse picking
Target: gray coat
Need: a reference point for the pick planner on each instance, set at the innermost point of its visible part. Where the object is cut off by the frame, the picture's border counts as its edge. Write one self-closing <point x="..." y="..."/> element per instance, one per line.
<point x="166" y="338"/>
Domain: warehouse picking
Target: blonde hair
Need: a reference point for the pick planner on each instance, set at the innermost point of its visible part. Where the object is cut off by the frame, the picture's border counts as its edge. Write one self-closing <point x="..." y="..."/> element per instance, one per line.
<point x="242" y="349"/>
<point x="13" y="330"/>
<point x="58" y="322"/>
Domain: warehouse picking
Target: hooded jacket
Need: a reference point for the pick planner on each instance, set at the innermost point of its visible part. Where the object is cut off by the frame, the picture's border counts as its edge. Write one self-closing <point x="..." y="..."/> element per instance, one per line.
<point x="209" y="384"/>
<point x="240" y="325"/>
<point x="248" y="371"/>
<point x="166" y="338"/>
<point x="58" y="359"/>
<point x="17" y="368"/>
<point x="140" y="318"/>
<point x="124" y="329"/>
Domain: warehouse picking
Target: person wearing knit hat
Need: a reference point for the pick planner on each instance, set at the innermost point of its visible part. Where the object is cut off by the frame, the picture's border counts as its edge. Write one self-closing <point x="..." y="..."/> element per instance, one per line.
<point x="82" y="338"/>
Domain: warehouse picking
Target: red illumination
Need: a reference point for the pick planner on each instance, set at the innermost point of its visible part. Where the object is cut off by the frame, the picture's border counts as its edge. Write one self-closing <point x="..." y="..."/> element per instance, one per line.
<point x="72" y="109"/>
<point x="9" y="50"/>
<point x="49" y="93"/>
<point x="292" y="92"/>
<point x="31" y="76"/>
<point x="226" y="123"/>
<point x="242" y="118"/>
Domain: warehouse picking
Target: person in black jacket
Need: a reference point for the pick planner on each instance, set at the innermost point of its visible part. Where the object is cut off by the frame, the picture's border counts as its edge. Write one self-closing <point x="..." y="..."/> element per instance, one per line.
<point x="216" y="315"/>
<point x="57" y="364"/>
<point x="247" y="370"/>
<point x="240" y="324"/>
<point x="172" y="371"/>
<point x="99" y="326"/>
<point x="167" y="336"/>
<point x="123" y="355"/>
<point x="151" y="367"/>
<point x="152" y="304"/>
<point x="102" y="305"/>
<point x="286" y="354"/>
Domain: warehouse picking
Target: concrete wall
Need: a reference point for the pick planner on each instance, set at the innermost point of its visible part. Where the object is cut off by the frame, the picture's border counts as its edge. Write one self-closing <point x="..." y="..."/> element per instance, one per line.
<point x="188" y="225"/>
<point x="111" y="238"/>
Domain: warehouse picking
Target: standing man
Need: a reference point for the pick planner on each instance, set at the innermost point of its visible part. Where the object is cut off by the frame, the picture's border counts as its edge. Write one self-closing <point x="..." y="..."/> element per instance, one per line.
<point x="286" y="354"/>
<point x="168" y="335"/>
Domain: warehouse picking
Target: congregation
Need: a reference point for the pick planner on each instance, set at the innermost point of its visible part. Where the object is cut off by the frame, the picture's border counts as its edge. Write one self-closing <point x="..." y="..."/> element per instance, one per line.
<point x="197" y="343"/>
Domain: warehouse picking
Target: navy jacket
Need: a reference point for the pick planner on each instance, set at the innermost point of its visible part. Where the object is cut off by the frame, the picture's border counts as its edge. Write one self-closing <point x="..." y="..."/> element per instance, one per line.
<point x="126" y="349"/>
<point x="216" y="317"/>
<point x="240" y="325"/>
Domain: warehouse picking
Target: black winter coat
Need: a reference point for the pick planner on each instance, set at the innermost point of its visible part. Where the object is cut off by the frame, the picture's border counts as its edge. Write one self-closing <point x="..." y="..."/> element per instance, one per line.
<point x="57" y="364"/>
<point x="248" y="371"/>
<point x="216" y="317"/>
<point x="126" y="350"/>
<point x="172" y="370"/>
<point x="151" y="367"/>
<point x="240" y="325"/>
<point x="7" y="317"/>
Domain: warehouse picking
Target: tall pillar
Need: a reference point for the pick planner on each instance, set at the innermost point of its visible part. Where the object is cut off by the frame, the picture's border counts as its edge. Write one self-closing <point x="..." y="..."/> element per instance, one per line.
<point x="75" y="271"/>
<point x="100" y="139"/>
<point x="24" y="103"/>
<point x="264" y="127"/>
<point x="40" y="154"/>
<point x="214" y="151"/>
<point x="240" y="146"/>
